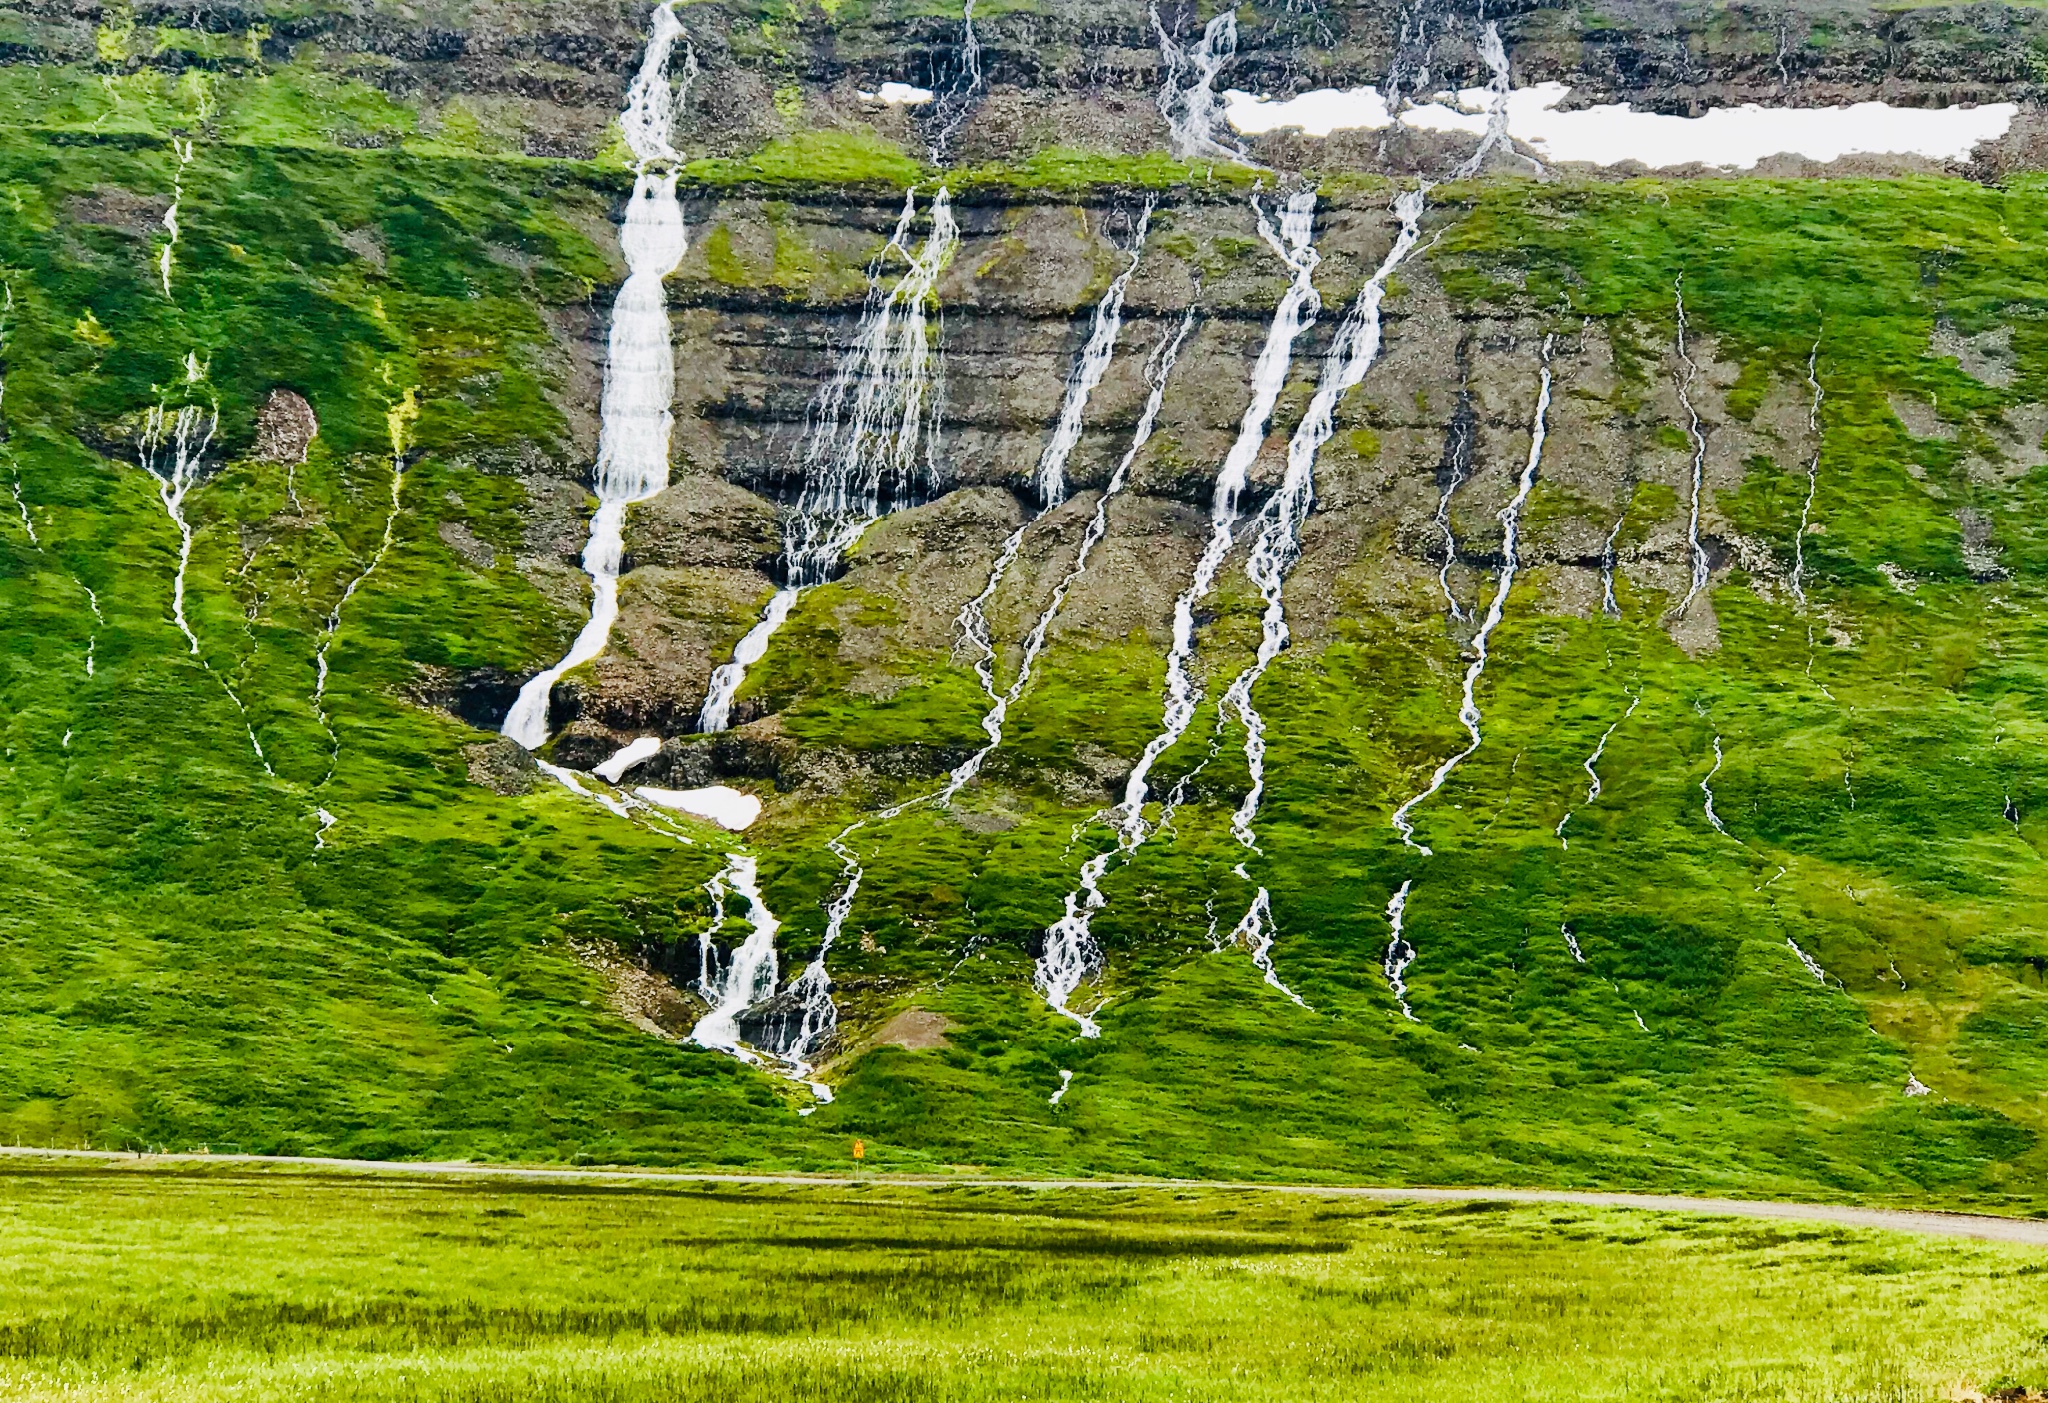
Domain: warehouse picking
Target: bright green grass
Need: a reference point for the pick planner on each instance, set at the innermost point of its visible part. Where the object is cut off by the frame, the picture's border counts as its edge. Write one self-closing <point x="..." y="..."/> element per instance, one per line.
<point x="244" y="1285"/>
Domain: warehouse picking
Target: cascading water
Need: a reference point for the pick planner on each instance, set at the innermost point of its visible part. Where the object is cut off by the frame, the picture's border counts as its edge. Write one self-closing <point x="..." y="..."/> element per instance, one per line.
<point x="973" y="624"/>
<point x="952" y="106"/>
<point x="1510" y="521"/>
<point x="749" y="973"/>
<point x="1187" y="94"/>
<point x="1277" y="548"/>
<point x="872" y="437"/>
<point x="639" y="373"/>
<point x="1820" y="976"/>
<point x="1070" y="953"/>
<point x="1499" y="85"/>
<point x="1707" y="791"/>
<point x="13" y="464"/>
<point x="1297" y="311"/>
<point x="396" y="420"/>
<point x="1607" y="600"/>
<point x="1592" y="774"/>
<point x="1686" y="374"/>
<point x="1400" y="954"/>
<point x="1812" y="475"/>
<point x="1456" y="466"/>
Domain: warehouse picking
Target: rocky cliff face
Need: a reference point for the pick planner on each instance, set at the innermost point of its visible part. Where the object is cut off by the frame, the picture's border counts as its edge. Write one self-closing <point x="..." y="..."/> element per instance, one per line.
<point x="1713" y="710"/>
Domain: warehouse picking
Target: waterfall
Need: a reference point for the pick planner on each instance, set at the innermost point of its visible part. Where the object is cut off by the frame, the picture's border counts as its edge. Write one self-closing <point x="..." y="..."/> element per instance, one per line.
<point x="952" y="107"/>
<point x="1455" y="468"/>
<point x="1070" y="953"/>
<point x="28" y="523"/>
<point x="872" y="438"/>
<point x="1277" y="547"/>
<point x="1687" y="372"/>
<point x="1592" y="774"/>
<point x="1296" y="313"/>
<point x="1820" y="976"/>
<point x="1812" y="474"/>
<point x="1707" y="791"/>
<point x="749" y="974"/>
<point x="396" y="420"/>
<point x="1572" y="943"/>
<point x="973" y="625"/>
<point x="1400" y="954"/>
<point x="1187" y="94"/>
<point x="1510" y="518"/>
<point x="1607" y="600"/>
<point x="639" y="372"/>
<point x="1070" y="943"/>
<point x="811" y="990"/>
<point x="1499" y="85"/>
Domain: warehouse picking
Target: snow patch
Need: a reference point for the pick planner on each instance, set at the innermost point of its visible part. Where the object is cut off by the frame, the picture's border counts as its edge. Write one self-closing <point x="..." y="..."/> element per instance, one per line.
<point x="1736" y="138"/>
<point x="726" y="807"/>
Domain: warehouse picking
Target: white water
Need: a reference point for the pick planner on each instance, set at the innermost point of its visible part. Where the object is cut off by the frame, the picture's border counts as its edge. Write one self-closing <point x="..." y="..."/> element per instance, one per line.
<point x="1592" y="774"/>
<point x="1607" y="600"/>
<point x="1400" y="954"/>
<point x="92" y="641"/>
<point x="14" y="479"/>
<point x="973" y="624"/>
<point x="1610" y="134"/>
<point x="1461" y="462"/>
<point x="951" y="110"/>
<point x="1089" y="368"/>
<point x="1687" y="372"/>
<point x="1070" y="953"/>
<point x="1572" y="943"/>
<point x="1187" y="93"/>
<point x="1812" y="475"/>
<point x="639" y="372"/>
<point x="1256" y="930"/>
<point x="1820" y="976"/>
<point x="1277" y="547"/>
<point x="750" y="971"/>
<point x="1066" y="1080"/>
<point x="397" y="419"/>
<point x="1510" y="518"/>
<point x="1915" y="1086"/>
<point x="1707" y="790"/>
<point x="1499" y="92"/>
<point x="873" y="432"/>
<point x="1296" y="312"/>
<point x="182" y="149"/>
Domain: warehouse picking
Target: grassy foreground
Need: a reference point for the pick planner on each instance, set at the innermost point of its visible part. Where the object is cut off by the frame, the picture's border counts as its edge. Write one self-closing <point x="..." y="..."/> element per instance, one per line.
<point x="133" y="1284"/>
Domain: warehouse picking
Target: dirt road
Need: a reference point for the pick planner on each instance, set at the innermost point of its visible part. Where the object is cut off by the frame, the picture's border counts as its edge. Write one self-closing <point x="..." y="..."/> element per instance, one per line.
<point x="2025" y="1231"/>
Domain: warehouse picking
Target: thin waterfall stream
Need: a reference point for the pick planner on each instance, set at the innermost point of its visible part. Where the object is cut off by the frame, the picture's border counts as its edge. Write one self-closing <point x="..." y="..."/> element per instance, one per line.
<point x="1070" y="955"/>
<point x="639" y="372"/>
<point x="871" y="440"/>
<point x="1510" y="519"/>
<point x="1277" y="548"/>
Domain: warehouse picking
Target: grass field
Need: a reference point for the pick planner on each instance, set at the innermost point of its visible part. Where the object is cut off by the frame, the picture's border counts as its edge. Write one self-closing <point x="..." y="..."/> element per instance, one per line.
<point x="242" y="1284"/>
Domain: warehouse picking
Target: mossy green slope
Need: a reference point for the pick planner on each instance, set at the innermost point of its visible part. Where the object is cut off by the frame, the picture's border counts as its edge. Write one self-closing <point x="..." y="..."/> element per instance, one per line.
<point x="184" y="967"/>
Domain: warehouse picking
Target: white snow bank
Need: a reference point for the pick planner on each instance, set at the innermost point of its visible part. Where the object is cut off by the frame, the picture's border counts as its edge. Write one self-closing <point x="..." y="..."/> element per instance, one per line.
<point x="1728" y="137"/>
<point x="728" y="808"/>
<point x="900" y="95"/>
<point x="626" y="757"/>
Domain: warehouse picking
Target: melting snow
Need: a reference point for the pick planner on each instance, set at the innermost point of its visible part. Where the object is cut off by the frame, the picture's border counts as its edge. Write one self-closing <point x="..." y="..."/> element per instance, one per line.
<point x="626" y="757"/>
<point x="1728" y="137"/>
<point x="729" y="808"/>
<point x="899" y="95"/>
